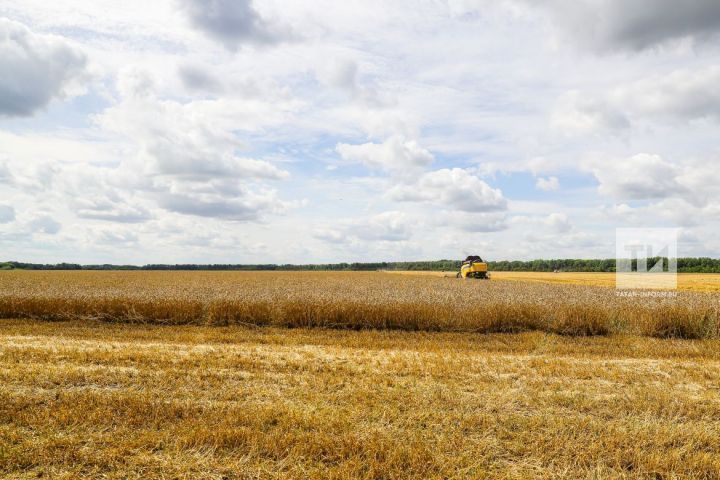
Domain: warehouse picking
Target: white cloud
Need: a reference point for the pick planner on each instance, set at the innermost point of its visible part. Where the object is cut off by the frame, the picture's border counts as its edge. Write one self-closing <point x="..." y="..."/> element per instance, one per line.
<point x="639" y="177"/>
<point x="330" y="235"/>
<point x="633" y="25"/>
<point x="558" y="222"/>
<point x="243" y="206"/>
<point x="233" y="23"/>
<point x="575" y="113"/>
<point x="116" y="238"/>
<point x="396" y="155"/>
<point x="111" y="206"/>
<point x="187" y="159"/>
<point x="671" y="211"/>
<point x="34" y="68"/>
<point x="680" y="95"/>
<point x="389" y="226"/>
<point x="472" y="222"/>
<point x="613" y="25"/>
<point x="456" y="188"/>
<point x="27" y="173"/>
<point x="548" y="184"/>
<point x="554" y="223"/>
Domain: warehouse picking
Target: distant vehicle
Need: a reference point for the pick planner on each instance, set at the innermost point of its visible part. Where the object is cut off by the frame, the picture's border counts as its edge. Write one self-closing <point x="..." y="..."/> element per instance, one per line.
<point x="473" y="267"/>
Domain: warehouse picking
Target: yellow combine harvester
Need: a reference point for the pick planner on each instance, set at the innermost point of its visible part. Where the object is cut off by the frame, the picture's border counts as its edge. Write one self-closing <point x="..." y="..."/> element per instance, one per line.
<point x="473" y="267"/>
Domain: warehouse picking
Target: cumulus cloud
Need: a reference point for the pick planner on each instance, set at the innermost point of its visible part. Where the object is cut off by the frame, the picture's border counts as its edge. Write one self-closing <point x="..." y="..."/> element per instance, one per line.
<point x="396" y="155"/>
<point x="635" y="25"/>
<point x="578" y="113"/>
<point x="34" y="68"/>
<point x="615" y="25"/>
<point x="558" y="222"/>
<point x="111" y="207"/>
<point x="548" y="184"/>
<point x="456" y="188"/>
<point x="195" y="137"/>
<point x="188" y="160"/>
<point x="675" y="210"/>
<point x="680" y="95"/>
<point x="388" y="226"/>
<point x="243" y="206"/>
<point x="199" y="155"/>
<point x="233" y="23"/>
<point x="639" y="177"/>
<point x="683" y="193"/>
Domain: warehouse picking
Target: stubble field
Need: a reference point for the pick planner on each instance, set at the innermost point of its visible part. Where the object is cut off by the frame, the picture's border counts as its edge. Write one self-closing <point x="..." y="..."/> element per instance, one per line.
<point x="197" y="375"/>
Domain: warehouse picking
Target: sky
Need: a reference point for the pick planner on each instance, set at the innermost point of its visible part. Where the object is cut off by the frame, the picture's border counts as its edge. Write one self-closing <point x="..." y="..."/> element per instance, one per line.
<point x="238" y="131"/>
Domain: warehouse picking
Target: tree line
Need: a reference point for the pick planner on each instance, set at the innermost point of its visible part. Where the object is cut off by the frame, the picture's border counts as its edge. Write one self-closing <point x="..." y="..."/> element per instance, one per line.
<point x="684" y="265"/>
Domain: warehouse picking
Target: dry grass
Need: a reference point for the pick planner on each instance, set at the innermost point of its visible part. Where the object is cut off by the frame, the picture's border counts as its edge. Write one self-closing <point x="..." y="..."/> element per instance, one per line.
<point x="351" y="300"/>
<point x="85" y="399"/>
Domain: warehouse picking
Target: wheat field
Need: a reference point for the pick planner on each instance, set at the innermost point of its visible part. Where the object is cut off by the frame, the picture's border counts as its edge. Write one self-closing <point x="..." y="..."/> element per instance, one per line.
<point x="353" y="300"/>
<point x="254" y="375"/>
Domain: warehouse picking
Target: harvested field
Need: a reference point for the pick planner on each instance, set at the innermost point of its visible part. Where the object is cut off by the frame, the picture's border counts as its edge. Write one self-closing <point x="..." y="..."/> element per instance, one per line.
<point x="166" y="375"/>
<point x="86" y="399"/>
<point x="352" y="300"/>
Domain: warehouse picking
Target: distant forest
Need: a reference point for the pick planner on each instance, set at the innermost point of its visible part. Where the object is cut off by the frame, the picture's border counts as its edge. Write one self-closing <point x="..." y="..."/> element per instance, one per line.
<point x="685" y="265"/>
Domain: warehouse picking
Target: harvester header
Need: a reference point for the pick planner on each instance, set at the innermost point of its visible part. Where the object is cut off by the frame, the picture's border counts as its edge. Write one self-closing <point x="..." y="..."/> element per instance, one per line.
<point x="473" y="267"/>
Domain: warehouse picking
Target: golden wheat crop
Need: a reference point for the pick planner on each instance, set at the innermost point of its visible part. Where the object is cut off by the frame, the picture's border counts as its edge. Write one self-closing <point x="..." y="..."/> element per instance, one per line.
<point x="352" y="300"/>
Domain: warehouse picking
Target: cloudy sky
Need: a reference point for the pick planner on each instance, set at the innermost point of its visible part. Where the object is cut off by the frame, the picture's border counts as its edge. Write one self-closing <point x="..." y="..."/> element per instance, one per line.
<point x="284" y="131"/>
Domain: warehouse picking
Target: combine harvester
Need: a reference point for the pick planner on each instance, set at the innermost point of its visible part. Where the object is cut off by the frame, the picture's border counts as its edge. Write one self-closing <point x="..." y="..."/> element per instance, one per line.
<point x="473" y="267"/>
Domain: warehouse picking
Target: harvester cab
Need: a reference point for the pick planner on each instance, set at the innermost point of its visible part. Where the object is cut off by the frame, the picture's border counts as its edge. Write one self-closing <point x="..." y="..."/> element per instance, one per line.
<point x="473" y="267"/>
